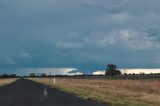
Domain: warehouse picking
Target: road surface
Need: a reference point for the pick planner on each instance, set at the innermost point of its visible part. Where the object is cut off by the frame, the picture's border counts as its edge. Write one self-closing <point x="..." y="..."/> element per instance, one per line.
<point x="28" y="93"/>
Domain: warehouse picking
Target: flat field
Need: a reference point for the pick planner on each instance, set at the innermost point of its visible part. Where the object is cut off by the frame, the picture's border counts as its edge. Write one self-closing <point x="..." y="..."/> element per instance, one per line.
<point x="4" y="81"/>
<point x="113" y="92"/>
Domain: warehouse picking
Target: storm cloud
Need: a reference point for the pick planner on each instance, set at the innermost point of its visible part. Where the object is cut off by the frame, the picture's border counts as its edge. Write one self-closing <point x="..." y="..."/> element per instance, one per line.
<point x="82" y="34"/>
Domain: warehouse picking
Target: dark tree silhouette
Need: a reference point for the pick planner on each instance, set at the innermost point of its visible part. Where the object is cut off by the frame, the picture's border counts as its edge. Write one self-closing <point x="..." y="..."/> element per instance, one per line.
<point x="13" y="75"/>
<point x="32" y="74"/>
<point x="112" y="70"/>
<point x="8" y="76"/>
<point x="43" y="75"/>
<point x="4" y="75"/>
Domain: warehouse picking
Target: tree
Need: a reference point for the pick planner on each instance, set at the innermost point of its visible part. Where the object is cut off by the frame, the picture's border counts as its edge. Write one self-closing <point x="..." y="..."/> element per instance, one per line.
<point x="112" y="70"/>
<point x="32" y="74"/>
<point x="43" y="75"/>
<point x="4" y="75"/>
<point x="13" y="75"/>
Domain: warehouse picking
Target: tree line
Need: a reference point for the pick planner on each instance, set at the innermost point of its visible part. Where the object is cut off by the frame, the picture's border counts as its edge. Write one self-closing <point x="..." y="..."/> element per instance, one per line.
<point x="8" y="76"/>
<point x="110" y="70"/>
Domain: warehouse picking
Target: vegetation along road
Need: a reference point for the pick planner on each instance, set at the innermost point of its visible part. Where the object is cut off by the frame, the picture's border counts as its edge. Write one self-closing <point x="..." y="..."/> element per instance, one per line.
<point x="24" y="92"/>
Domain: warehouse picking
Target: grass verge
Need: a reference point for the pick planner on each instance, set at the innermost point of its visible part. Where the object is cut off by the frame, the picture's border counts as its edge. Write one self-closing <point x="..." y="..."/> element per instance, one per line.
<point x="5" y="81"/>
<point x="113" y="92"/>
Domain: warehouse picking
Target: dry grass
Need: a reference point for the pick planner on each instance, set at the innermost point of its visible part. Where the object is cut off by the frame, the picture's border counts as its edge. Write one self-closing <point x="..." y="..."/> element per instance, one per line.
<point x="114" y="92"/>
<point x="7" y="81"/>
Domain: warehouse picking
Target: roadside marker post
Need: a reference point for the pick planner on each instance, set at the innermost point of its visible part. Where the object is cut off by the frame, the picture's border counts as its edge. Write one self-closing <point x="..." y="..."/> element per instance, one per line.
<point x="54" y="80"/>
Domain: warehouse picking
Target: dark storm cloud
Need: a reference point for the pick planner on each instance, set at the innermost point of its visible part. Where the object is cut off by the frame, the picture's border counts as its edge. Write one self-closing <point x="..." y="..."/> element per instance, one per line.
<point x="85" y="34"/>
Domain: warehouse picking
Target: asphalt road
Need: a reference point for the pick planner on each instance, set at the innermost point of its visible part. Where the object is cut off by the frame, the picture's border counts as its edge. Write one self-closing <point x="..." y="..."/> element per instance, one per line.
<point x="28" y="93"/>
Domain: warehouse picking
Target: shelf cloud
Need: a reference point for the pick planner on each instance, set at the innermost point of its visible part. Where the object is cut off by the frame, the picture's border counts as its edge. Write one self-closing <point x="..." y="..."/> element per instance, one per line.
<point x="83" y="34"/>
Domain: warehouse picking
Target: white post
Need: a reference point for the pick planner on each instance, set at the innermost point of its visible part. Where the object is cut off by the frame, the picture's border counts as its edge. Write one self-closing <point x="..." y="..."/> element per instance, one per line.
<point x="54" y="80"/>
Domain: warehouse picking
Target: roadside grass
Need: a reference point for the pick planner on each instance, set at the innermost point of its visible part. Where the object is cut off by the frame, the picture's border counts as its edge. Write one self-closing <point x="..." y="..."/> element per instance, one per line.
<point x="4" y="81"/>
<point x="113" y="92"/>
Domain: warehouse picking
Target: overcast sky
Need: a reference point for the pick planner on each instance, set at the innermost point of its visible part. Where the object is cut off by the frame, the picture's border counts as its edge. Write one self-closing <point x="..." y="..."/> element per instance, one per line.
<point x="82" y="34"/>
